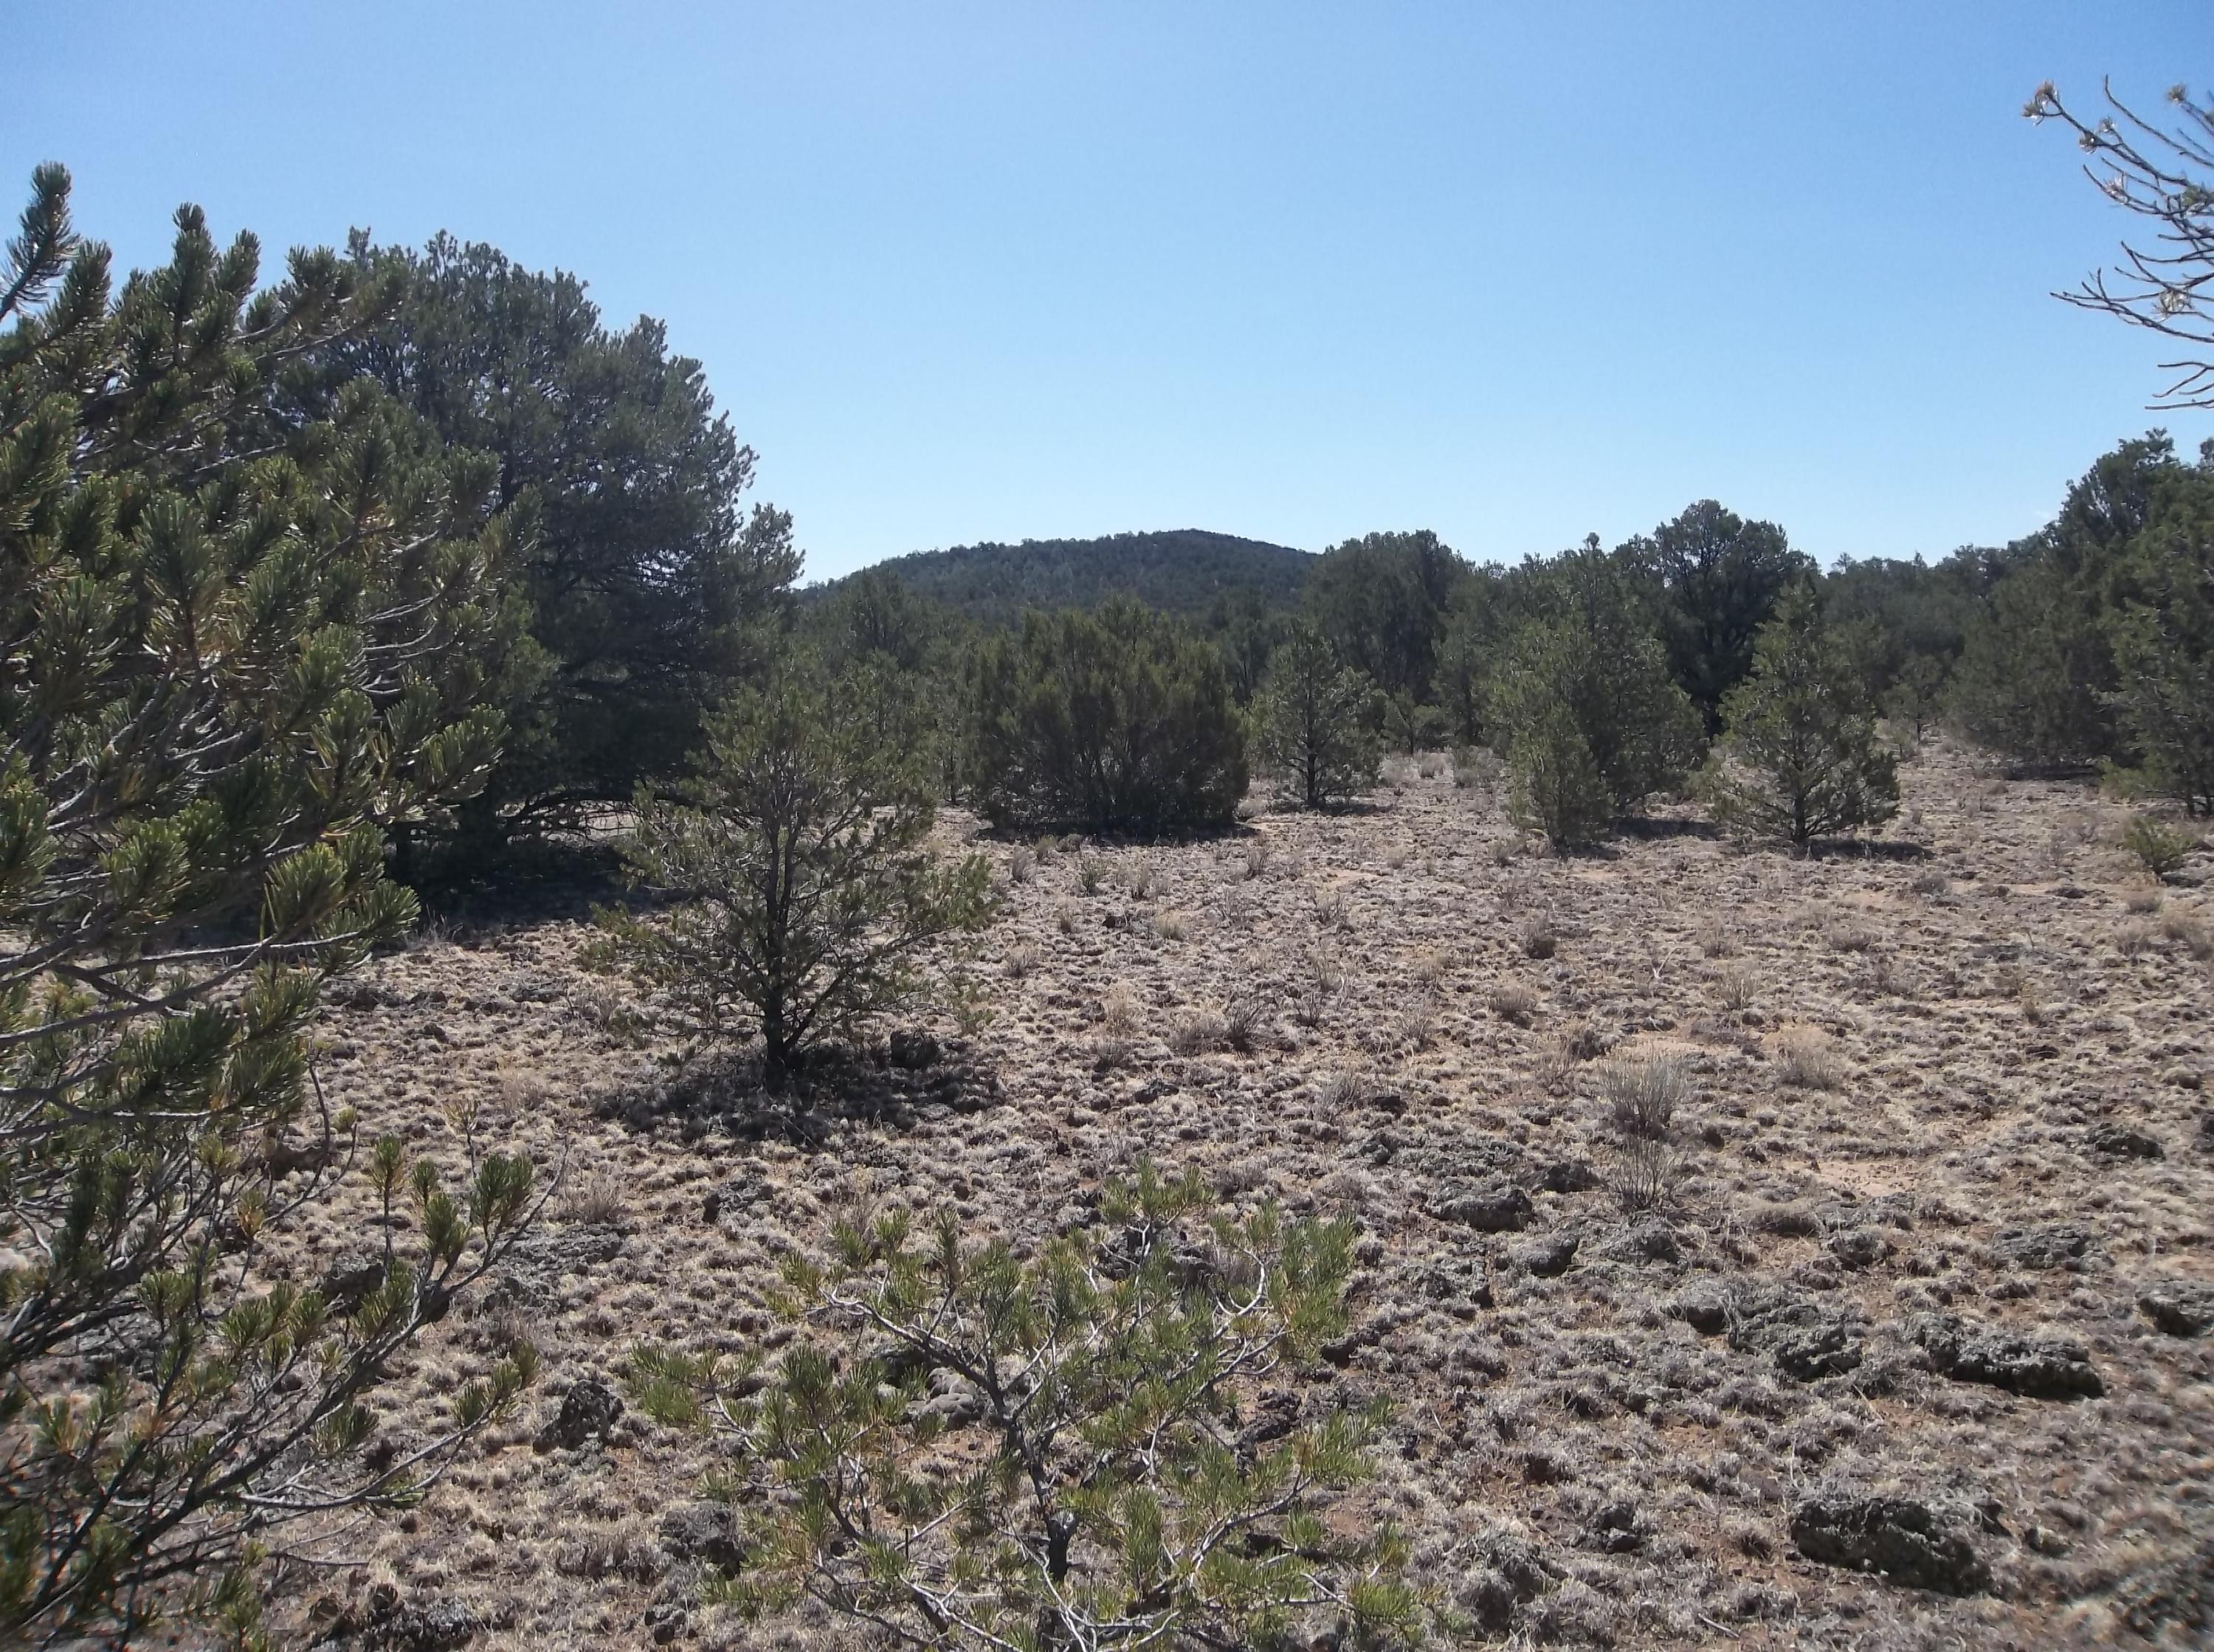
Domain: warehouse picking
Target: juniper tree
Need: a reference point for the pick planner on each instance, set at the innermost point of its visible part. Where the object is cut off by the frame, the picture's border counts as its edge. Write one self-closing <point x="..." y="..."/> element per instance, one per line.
<point x="1053" y="1451"/>
<point x="234" y="643"/>
<point x="1799" y="758"/>
<point x="1118" y="720"/>
<point x="1314" y="721"/>
<point x="800" y="893"/>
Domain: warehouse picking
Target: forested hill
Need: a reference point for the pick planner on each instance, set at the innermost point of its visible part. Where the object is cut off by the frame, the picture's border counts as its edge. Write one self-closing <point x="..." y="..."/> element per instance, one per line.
<point x="1183" y="571"/>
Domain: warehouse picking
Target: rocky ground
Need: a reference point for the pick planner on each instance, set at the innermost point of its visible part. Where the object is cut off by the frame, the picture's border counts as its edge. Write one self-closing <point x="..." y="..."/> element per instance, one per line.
<point x="1907" y="1353"/>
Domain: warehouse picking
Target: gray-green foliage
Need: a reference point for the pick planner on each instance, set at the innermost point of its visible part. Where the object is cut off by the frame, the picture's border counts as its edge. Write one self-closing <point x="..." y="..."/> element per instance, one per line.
<point x="1583" y="703"/>
<point x="1313" y="720"/>
<point x="239" y="641"/>
<point x="801" y="894"/>
<point x="1025" y="1453"/>
<point x="1799" y="758"/>
<point x="2162" y="628"/>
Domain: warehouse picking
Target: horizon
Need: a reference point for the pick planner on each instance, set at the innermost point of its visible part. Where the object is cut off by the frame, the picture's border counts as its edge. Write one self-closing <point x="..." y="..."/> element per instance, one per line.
<point x="990" y="276"/>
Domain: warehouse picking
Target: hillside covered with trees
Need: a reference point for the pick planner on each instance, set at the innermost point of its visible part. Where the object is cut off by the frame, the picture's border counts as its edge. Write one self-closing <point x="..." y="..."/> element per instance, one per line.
<point x="1184" y="571"/>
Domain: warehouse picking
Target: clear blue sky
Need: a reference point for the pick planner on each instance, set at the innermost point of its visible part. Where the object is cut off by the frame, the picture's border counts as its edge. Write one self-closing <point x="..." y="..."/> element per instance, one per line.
<point x="965" y="271"/>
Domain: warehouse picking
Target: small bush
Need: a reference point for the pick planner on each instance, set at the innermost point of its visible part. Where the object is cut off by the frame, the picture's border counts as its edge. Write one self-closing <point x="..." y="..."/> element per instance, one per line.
<point x="1643" y="1095"/>
<point x="1256" y="856"/>
<point x="1021" y="862"/>
<point x="1091" y="875"/>
<point x="1806" y="1060"/>
<point x="1515" y="1002"/>
<point x="1539" y="938"/>
<point x="1646" y="1170"/>
<point x="1243" y="1022"/>
<point x="1172" y="926"/>
<point x="2159" y="848"/>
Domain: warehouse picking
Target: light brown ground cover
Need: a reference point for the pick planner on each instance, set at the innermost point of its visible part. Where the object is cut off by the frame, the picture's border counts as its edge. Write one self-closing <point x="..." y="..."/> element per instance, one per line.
<point x="1894" y="1063"/>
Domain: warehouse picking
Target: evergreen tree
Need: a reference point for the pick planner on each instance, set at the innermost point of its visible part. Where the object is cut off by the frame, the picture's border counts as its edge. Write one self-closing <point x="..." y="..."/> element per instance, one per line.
<point x="1105" y="1507"/>
<point x="1714" y="576"/>
<point x="2163" y="636"/>
<point x="653" y="589"/>
<point x="1382" y="601"/>
<point x="802" y="892"/>
<point x="1583" y="703"/>
<point x="1313" y="720"/>
<point x="1800" y="759"/>
<point x="1118" y="720"/>
<point x="237" y="642"/>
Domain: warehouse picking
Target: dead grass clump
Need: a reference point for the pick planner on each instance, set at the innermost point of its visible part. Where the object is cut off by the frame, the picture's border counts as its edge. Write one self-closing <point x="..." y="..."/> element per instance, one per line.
<point x="1242" y="1023"/>
<point x="1433" y="965"/>
<point x="2188" y="931"/>
<point x="1021" y="962"/>
<point x="1197" y="1033"/>
<point x="1585" y="1041"/>
<point x="1142" y="879"/>
<point x="1417" y="1027"/>
<point x="1539" y="938"/>
<point x="1118" y="1013"/>
<point x="1642" y="1095"/>
<point x="1396" y="857"/>
<point x="2132" y="939"/>
<point x="1431" y="765"/>
<point x="1714" y="940"/>
<point x="1502" y="851"/>
<point x="1512" y="1000"/>
<point x="1736" y="985"/>
<point x="1646" y="1170"/>
<point x="1343" y="1091"/>
<point x="598" y="1203"/>
<point x="1021" y="862"/>
<point x="1931" y="883"/>
<point x="1064" y="918"/>
<point x="1172" y="926"/>
<point x="1091" y="875"/>
<point x="1045" y="847"/>
<point x="1850" y="935"/>
<point x="1256" y="856"/>
<point x="1331" y="909"/>
<point x="1807" y="1060"/>
<point x="2142" y="901"/>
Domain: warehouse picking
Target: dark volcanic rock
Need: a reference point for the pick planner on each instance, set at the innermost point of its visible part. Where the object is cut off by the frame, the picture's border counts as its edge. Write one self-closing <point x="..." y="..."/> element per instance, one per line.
<point x="2044" y="1245"/>
<point x="351" y="1277"/>
<point x="2038" y="1367"/>
<point x="1894" y="1536"/>
<point x="588" y="1410"/>
<point x="1805" y="1340"/>
<point x="1859" y="1247"/>
<point x="2182" y="1307"/>
<point x="1500" y="1208"/>
<point x="703" y="1531"/>
<point x="1548" y="1257"/>
<point x="1705" y="1308"/>
<point x="2122" y="1142"/>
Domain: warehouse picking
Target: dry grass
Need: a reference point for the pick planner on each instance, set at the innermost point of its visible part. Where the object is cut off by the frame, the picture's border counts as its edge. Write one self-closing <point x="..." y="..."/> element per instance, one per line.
<point x="1391" y="1052"/>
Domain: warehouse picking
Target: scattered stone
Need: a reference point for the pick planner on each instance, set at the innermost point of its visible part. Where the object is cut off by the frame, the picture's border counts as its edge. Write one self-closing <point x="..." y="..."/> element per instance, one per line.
<point x="2182" y="1307"/>
<point x="1615" y="1530"/>
<point x="706" y="1532"/>
<point x="531" y="1274"/>
<point x="2045" y="1245"/>
<point x="911" y="1050"/>
<point x="1548" y="1257"/>
<point x="1804" y="1339"/>
<point x="1650" y="1241"/>
<point x="589" y="1410"/>
<point x="350" y="1277"/>
<point x="1859" y="1247"/>
<point x="1570" y="1176"/>
<point x="1500" y="1208"/>
<point x="1704" y="1307"/>
<point x="2178" y="1593"/>
<point x="2120" y="1141"/>
<point x="1897" y="1537"/>
<point x="2037" y="1368"/>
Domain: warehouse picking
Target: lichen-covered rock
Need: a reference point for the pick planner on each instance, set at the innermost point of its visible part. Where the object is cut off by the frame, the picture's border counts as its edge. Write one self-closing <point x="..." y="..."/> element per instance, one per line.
<point x="1896" y="1537"/>
<point x="2038" y="1368"/>
<point x="2182" y="1307"/>
<point x="1498" y="1209"/>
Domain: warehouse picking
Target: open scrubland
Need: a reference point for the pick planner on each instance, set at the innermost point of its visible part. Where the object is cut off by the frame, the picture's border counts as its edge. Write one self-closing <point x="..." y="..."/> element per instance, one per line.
<point x="1757" y="1249"/>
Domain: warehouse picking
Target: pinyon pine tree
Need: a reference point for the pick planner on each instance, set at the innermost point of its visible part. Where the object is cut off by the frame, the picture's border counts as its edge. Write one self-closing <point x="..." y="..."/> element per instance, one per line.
<point x="802" y="892"/>
<point x="1313" y="720"/>
<point x="1799" y="758"/>
<point x="236" y="643"/>
<point x="1024" y="1454"/>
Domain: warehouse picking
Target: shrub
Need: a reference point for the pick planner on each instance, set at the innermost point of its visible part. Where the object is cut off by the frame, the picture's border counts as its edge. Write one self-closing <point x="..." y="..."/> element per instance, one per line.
<point x="1312" y="721"/>
<point x="1118" y="720"/>
<point x="801" y="892"/>
<point x="242" y="642"/>
<point x="1096" y="1499"/>
<point x="1799" y="758"/>
<point x="1591" y="720"/>
<point x="1643" y="1095"/>
<point x="2159" y="848"/>
<point x="1807" y="1061"/>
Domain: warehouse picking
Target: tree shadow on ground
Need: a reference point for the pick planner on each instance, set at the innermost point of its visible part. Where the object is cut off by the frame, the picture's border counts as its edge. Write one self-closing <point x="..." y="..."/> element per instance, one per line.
<point x="537" y="881"/>
<point x="910" y="1079"/>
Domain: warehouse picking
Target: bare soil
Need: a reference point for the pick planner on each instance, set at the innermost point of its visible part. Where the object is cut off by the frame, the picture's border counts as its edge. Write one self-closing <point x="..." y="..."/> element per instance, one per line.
<point x="1961" y="1073"/>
